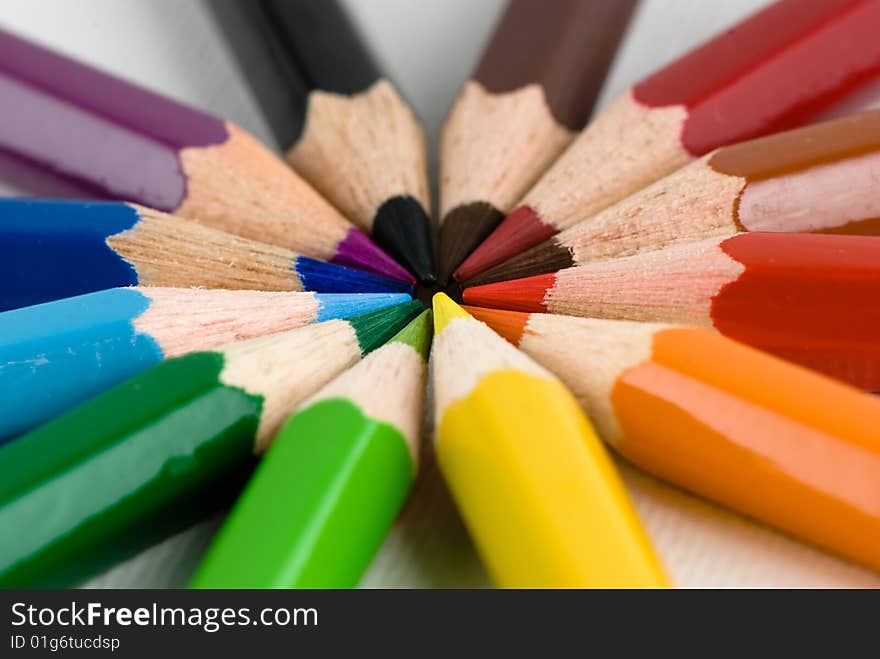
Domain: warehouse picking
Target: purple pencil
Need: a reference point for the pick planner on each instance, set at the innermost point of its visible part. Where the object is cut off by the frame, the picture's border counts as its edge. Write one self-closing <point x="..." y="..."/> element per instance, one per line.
<point x="120" y="141"/>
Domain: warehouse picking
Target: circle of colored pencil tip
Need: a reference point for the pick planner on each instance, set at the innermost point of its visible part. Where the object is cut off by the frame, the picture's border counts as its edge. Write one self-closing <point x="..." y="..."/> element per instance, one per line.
<point x="780" y="67"/>
<point x="819" y="178"/>
<point x="55" y="249"/>
<point x="803" y="297"/>
<point x="58" y="354"/>
<point x="537" y="491"/>
<point x="769" y="439"/>
<point x="163" y="448"/>
<point x="315" y="512"/>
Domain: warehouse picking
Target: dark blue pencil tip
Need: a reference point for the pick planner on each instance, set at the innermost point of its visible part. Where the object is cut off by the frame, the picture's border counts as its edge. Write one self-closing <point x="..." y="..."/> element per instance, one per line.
<point x="323" y="277"/>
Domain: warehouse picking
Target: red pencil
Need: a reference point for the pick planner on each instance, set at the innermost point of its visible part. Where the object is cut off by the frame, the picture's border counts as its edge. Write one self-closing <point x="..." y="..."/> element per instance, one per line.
<point x="776" y="70"/>
<point x="810" y="298"/>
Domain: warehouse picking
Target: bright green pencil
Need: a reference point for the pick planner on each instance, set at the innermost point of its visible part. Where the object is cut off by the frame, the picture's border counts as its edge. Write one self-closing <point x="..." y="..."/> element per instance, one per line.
<point x="322" y="500"/>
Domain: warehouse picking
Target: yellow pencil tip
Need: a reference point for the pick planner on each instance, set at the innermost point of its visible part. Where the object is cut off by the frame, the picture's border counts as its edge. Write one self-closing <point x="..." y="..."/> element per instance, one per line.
<point x="446" y="310"/>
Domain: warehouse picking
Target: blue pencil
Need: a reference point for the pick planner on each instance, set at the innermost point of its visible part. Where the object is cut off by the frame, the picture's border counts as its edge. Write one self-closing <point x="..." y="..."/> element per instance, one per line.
<point x="55" y="249"/>
<point x="55" y="355"/>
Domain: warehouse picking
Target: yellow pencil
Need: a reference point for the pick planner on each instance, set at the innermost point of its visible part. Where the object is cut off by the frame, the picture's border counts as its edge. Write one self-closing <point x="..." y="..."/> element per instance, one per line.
<point x="536" y="489"/>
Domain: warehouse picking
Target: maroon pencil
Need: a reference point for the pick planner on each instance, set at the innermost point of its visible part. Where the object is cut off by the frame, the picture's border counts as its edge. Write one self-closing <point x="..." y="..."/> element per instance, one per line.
<point x="533" y="90"/>
<point x="120" y="141"/>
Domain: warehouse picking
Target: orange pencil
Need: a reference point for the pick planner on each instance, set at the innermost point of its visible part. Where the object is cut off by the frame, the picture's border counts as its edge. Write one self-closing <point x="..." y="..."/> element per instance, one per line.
<point x="771" y="440"/>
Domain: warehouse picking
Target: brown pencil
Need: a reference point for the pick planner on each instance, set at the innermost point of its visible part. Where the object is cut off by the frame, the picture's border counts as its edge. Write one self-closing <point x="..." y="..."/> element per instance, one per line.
<point x="533" y="89"/>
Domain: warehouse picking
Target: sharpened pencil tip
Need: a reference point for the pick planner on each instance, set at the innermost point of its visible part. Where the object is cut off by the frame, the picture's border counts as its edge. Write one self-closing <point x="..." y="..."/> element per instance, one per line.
<point x="445" y="310"/>
<point x="522" y="229"/>
<point x="323" y="277"/>
<point x="359" y="252"/>
<point x="417" y="333"/>
<point x="462" y="230"/>
<point x="541" y="259"/>
<point x="509" y="324"/>
<point x="403" y="229"/>
<point x="375" y="328"/>
<point x="529" y="294"/>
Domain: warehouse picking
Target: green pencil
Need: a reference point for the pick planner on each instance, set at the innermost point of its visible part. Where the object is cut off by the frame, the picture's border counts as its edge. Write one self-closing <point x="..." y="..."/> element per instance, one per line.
<point x="321" y="502"/>
<point x="162" y="449"/>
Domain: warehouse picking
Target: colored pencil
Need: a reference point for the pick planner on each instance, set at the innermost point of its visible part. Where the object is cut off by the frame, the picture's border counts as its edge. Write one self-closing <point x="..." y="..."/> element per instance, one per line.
<point x="537" y="491"/>
<point x="817" y="178"/>
<point x="316" y="511"/>
<point x="533" y="89"/>
<point x="55" y="249"/>
<point x="769" y="439"/>
<point x="809" y="298"/>
<point x="56" y="355"/>
<point x="121" y="141"/>
<point x="163" y="448"/>
<point x="340" y="122"/>
<point x="775" y="70"/>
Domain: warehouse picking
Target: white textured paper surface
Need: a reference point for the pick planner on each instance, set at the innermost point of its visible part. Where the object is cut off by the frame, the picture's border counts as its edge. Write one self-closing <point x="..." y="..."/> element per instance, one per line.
<point x="171" y="45"/>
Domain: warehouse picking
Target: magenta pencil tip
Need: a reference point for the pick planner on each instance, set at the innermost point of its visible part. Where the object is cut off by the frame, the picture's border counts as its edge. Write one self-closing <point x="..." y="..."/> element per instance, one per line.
<point x="358" y="251"/>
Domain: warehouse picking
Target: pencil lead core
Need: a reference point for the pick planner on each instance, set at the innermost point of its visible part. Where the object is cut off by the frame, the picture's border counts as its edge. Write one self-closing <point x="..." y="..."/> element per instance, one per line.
<point x="417" y="333"/>
<point x="445" y="310"/>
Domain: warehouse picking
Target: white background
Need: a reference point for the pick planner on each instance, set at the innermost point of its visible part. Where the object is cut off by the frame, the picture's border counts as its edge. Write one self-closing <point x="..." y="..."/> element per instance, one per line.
<point x="428" y="47"/>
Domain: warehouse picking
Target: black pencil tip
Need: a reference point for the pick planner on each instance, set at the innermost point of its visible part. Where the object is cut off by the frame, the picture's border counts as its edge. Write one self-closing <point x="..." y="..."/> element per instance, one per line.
<point x="462" y="230"/>
<point x="403" y="229"/>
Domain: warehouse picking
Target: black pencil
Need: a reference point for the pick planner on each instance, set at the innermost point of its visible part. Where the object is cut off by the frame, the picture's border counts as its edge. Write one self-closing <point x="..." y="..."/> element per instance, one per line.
<point x="341" y="124"/>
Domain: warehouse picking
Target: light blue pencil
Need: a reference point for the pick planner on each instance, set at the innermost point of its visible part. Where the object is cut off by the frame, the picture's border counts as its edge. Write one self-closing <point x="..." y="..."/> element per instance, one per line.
<point x="55" y="355"/>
